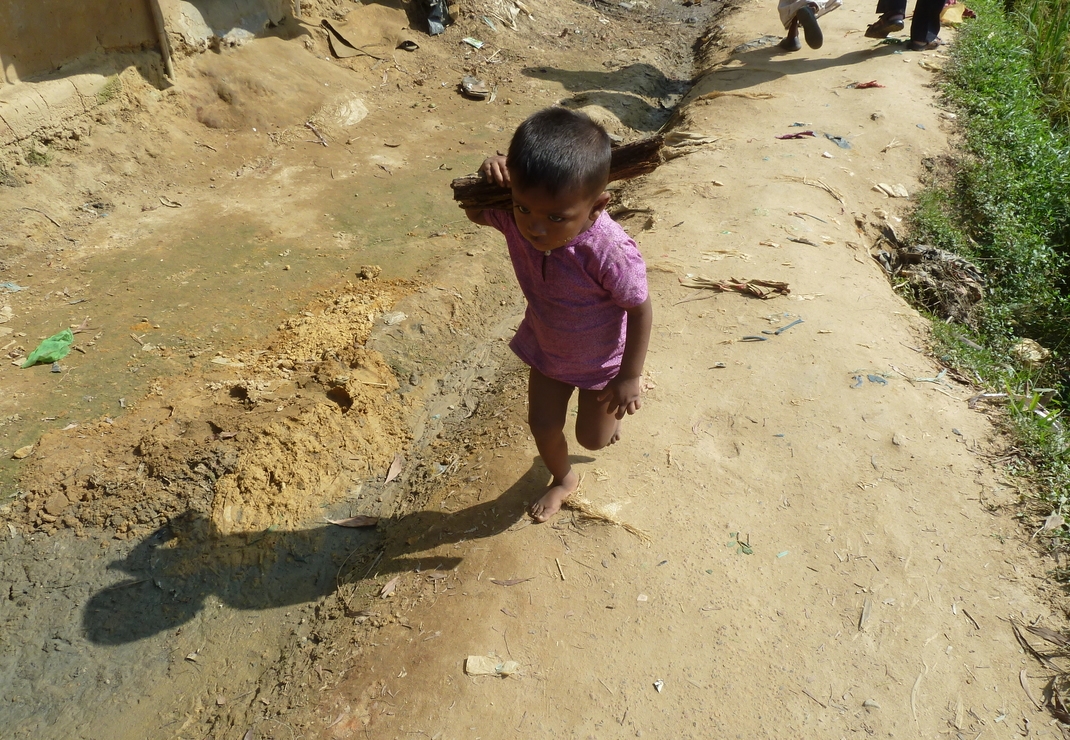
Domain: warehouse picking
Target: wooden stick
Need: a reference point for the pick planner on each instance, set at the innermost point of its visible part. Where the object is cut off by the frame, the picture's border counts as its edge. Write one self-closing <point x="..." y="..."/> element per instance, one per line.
<point x="630" y="160"/>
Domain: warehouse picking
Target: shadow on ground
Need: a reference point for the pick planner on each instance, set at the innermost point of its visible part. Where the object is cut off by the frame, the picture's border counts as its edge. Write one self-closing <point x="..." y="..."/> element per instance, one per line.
<point x="624" y="92"/>
<point x="173" y="571"/>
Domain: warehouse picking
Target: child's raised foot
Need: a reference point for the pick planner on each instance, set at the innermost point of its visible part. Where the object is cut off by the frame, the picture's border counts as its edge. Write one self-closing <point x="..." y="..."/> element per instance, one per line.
<point x="616" y="435"/>
<point x="551" y="501"/>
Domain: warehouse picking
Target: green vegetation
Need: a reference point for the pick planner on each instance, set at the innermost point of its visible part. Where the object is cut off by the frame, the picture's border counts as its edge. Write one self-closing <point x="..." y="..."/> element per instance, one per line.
<point x="1047" y="28"/>
<point x="1005" y="205"/>
<point x="111" y="89"/>
<point x="36" y="157"/>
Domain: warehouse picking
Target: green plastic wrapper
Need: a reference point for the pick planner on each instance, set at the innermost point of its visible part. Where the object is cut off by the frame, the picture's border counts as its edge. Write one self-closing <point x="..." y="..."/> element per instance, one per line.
<point x="53" y="349"/>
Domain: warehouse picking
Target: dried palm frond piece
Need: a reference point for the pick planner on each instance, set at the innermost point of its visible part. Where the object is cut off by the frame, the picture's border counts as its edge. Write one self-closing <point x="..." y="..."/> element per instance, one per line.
<point x="764" y="289"/>
<point x="817" y="184"/>
<point x="589" y="510"/>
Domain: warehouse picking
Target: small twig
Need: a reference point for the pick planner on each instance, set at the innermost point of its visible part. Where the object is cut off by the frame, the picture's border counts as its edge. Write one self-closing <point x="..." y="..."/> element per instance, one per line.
<point x="207" y="146"/>
<point x="823" y="704"/>
<point x="559" y="569"/>
<point x="38" y="210"/>
<point x="310" y="127"/>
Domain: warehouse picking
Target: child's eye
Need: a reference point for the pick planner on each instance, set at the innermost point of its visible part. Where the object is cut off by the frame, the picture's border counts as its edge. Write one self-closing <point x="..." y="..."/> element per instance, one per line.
<point x="522" y="209"/>
<point x="556" y="219"/>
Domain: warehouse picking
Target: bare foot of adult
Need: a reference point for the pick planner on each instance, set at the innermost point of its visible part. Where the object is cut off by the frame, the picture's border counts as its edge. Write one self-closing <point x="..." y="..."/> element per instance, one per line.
<point x="551" y="501"/>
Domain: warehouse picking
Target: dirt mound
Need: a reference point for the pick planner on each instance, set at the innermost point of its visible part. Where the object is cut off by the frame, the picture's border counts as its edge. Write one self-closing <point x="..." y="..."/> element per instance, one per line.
<point x="260" y="440"/>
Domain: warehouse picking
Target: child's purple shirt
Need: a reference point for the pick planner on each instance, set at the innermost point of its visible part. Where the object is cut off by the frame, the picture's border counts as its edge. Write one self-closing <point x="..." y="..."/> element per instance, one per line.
<point x="575" y="325"/>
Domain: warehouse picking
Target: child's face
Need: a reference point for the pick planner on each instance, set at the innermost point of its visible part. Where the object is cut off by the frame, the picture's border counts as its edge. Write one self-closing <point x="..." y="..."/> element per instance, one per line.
<point x="549" y="222"/>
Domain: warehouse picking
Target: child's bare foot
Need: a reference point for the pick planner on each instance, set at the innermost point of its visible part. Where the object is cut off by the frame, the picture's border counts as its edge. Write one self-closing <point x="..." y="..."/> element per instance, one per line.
<point x="616" y="435"/>
<point x="551" y="501"/>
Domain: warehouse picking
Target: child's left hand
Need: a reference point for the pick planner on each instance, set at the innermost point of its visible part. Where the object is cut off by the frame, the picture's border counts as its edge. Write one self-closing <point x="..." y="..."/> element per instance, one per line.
<point x="623" y="396"/>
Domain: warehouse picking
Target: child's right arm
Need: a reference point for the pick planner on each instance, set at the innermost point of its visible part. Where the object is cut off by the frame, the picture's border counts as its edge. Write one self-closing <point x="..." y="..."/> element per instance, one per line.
<point x="495" y="171"/>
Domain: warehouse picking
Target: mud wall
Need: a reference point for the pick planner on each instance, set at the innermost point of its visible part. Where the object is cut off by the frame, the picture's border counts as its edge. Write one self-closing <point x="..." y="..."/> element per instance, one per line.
<point x="40" y="36"/>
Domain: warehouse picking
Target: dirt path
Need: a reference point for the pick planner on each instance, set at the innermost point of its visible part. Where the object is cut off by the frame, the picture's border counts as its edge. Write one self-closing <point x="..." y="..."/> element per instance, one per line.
<point x="169" y="572"/>
<point x="828" y="556"/>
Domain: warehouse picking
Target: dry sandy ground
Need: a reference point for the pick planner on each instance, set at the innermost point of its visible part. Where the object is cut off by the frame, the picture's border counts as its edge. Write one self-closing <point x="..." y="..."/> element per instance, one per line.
<point x="877" y="570"/>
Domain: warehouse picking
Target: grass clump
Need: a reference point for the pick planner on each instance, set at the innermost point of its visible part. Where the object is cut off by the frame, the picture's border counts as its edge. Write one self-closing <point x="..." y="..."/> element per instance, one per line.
<point x="1047" y="28"/>
<point x="111" y="89"/>
<point x="1005" y="205"/>
<point x="36" y="157"/>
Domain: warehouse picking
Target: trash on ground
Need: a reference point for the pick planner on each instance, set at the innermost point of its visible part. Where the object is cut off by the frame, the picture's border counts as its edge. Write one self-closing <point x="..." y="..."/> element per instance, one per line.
<point x="858" y="380"/>
<point x="390" y="319"/>
<point x="340" y="46"/>
<point x="389" y="588"/>
<point x="839" y="141"/>
<point x="826" y="155"/>
<point x="764" y="289"/>
<point x="408" y="45"/>
<point x="659" y="685"/>
<point x="799" y="135"/>
<point x="56" y="368"/>
<point x="767" y="40"/>
<point x="876" y="379"/>
<point x="785" y="553"/>
<point x="356" y="521"/>
<point x="474" y="43"/>
<point x="892" y="191"/>
<point x="784" y="328"/>
<point x="489" y="665"/>
<point x="53" y="349"/>
<point x="438" y="17"/>
<point x="395" y="468"/>
<point x="23" y="452"/>
<point x="474" y="88"/>
<point x="11" y="287"/>
<point x="754" y="338"/>
<point x="864" y="85"/>
<point x="511" y="581"/>
<point x="1031" y="353"/>
<point x="6" y="314"/>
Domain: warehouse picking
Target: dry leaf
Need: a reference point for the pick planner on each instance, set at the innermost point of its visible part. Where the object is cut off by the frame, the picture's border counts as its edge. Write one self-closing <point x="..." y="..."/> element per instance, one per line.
<point x="511" y="581"/>
<point x="390" y="587"/>
<point x="356" y="521"/>
<point x="395" y="468"/>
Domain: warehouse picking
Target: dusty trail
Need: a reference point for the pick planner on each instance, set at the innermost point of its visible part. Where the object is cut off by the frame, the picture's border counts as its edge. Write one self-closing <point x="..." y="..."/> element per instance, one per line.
<point x="169" y="572"/>
<point x="829" y="555"/>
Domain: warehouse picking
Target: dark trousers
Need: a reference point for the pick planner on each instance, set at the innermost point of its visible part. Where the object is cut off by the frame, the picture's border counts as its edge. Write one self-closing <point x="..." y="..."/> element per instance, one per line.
<point x="925" y="25"/>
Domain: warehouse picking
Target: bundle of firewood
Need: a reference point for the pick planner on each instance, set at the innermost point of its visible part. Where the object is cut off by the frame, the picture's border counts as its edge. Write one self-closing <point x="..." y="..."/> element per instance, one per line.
<point x="630" y="160"/>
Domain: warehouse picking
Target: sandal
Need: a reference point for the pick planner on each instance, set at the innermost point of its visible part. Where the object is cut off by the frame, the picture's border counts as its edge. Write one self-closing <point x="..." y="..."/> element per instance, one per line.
<point x="883" y="26"/>
<point x="811" y="31"/>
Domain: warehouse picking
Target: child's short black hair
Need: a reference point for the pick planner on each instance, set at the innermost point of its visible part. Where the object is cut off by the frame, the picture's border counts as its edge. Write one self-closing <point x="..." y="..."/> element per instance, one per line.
<point x="558" y="150"/>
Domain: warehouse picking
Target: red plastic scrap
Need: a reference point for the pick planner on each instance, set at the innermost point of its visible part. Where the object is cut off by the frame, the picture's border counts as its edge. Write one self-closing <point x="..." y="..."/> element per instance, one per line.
<point x="799" y="135"/>
<point x="864" y="85"/>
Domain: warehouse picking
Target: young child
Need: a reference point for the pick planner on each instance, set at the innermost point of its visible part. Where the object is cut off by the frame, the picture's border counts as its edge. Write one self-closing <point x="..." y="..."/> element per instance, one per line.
<point x="588" y="318"/>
